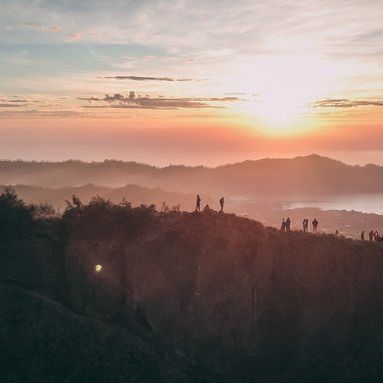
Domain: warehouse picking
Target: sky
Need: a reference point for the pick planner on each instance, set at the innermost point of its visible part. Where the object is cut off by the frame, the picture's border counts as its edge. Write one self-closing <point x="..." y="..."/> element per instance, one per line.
<point x="189" y="81"/>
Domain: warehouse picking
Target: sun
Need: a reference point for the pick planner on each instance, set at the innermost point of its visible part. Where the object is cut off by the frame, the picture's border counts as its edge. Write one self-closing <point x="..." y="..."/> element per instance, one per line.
<point x="282" y="88"/>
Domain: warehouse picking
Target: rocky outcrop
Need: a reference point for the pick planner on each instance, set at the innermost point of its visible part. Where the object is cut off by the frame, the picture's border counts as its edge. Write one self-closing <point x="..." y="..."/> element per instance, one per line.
<point x="229" y="291"/>
<point x="221" y="297"/>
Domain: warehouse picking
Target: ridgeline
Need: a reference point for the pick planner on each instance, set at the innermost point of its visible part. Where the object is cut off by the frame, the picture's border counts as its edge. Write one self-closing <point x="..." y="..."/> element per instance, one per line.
<point x="111" y="293"/>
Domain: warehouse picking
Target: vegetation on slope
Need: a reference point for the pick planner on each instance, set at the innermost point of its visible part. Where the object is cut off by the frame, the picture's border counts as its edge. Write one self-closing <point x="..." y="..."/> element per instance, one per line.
<point x="221" y="297"/>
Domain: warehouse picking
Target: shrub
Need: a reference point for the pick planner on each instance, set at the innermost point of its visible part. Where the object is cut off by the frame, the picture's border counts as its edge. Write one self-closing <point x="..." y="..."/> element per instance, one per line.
<point x="16" y="218"/>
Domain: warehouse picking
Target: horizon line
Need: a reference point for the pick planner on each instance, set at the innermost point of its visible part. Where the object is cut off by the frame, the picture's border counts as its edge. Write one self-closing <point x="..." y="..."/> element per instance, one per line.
<point x="306" y="156"/>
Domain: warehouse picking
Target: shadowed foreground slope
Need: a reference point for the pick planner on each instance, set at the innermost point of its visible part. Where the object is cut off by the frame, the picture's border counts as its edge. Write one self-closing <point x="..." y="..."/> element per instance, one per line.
<point x="44" y="342"/>
<point x="218" y="296"/>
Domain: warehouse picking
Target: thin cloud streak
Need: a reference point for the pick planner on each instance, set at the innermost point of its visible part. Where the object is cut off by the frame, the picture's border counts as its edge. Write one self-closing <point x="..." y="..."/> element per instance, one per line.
<point x="133" y="102"/>
<point x="41" y="27"/>
<point x="346" y="103"/>
<point x="148" y="78"/>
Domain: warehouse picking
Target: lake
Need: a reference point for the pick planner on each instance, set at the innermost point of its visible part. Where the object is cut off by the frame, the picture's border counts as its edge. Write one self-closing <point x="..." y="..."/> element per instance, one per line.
<point x="365" y="203"/>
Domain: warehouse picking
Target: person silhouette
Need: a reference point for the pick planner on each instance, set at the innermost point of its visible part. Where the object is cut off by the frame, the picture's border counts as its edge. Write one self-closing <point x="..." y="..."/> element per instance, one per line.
<point x="288" y="224"/>
<point x="221" y="202"/>
<point x="315" y="225"/>
<point x="283" y="225"/>
<point x="371" y="235"/>
<point x="198" y="203"/>
<point x="362" y="236"/>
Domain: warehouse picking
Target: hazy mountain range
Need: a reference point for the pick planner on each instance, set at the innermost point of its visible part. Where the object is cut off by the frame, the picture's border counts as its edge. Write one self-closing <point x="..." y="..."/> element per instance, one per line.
<point x="300" y="176"/>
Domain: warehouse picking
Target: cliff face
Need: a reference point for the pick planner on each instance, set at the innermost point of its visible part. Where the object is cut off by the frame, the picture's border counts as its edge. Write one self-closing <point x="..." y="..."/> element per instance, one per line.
<point x="250" y="301"/>
<point x="221" y="296"/>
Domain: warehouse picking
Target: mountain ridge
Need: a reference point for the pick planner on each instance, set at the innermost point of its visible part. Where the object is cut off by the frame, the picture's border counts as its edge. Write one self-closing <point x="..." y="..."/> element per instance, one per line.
<point x="129" y="163"/>
<point x="300" y="176"/>
<point x="220" y="296"/>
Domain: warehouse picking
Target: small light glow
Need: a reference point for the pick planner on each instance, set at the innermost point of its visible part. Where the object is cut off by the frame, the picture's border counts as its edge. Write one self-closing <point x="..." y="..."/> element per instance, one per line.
<point x="98" y="268"/>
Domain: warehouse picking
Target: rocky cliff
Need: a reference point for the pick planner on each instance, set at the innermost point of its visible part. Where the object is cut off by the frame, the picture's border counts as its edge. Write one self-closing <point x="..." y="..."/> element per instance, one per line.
<point x="221" y="297"/>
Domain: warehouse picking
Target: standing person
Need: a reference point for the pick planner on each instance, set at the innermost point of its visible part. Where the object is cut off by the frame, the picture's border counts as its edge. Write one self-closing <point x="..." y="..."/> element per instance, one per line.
<point x="315" y="224"/>
<point x="198" y="203"/>
<point x="221" y="202"/>
<point x="362" y="236"/>
<point x="305" y="225"/>
<point x="371" y="235"/>
<point x="288" y="224"/>
<point x="283" y="225"/>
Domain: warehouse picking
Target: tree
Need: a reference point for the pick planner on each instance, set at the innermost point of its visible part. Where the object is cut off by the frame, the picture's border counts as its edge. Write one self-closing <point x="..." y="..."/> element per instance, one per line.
<point x="75" y="203"/>
<point x="16" y="217"/>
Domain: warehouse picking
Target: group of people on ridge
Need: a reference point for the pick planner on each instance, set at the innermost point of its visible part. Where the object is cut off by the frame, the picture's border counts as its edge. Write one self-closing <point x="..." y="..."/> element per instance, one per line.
<point x="286" y="225"/>
<point x="207" y="207"/>
<point x="372" y="236"/>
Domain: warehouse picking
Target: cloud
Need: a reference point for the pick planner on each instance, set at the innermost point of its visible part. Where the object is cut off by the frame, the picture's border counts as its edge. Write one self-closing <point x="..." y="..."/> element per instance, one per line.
<point x="9" y="105"/>
<point x="21" y="113"/>
<point x="42" y="28"/>
<point x="8" y="102"/>
<point x="138" y="102"/>
<point x="147" y="78"/>
<point x="73" y="37"/>
<point x="346" y="103"/>
<point x="20" y="101"/>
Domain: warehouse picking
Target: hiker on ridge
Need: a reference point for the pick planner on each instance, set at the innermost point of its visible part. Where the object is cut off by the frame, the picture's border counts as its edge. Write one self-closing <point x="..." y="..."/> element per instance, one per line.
<point x="315" y="225"/>
<point x="283" y="225"/>
<point x="362" y="236"/>
<point x="288" y="224"/>
<point x="221" y="202"/>
<point x="198" y="203"/>
<point x="371" y="235"/>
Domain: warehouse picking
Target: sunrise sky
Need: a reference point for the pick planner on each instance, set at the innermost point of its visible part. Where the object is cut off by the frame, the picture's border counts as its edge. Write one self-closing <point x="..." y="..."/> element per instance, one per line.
<point x="194" y="82"/>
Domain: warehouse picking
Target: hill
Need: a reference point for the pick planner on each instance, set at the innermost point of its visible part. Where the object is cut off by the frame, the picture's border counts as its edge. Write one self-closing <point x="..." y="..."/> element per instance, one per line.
<point x="301" y="176"/>
<point x="44" y="342"/>
<point x="221" y="297"/>
<point x="348" y="223"/>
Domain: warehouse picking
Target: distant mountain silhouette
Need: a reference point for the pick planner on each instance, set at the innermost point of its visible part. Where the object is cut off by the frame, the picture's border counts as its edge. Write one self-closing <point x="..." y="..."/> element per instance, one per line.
<point x="300" y="176"/>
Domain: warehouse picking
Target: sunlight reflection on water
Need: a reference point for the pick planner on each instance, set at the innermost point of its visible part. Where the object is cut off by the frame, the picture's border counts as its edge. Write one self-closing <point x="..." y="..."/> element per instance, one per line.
<point x="365" y="203"/>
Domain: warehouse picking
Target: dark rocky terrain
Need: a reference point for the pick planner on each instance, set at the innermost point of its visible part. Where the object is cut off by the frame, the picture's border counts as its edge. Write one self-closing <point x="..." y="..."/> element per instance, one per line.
<point x="113" y="293"/>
